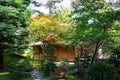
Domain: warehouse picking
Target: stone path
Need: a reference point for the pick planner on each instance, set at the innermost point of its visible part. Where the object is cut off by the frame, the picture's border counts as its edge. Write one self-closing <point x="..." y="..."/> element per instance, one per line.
<point x="36" y="76"/>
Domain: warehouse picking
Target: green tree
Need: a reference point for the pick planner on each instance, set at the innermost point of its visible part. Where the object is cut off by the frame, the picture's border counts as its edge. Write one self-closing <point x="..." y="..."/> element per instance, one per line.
<point x="51" y="5"/>
<point x="46" y="28"/>
<point x="94" y="20"/>
<point x="27" y="2"/>
<point x="115" y="4"/>
<point x="13" y="31"/>
<point x="62" y="14"/>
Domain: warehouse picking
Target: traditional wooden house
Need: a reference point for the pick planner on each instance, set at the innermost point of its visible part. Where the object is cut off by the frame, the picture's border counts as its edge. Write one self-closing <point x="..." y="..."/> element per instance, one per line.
<point x="61" y="51"/>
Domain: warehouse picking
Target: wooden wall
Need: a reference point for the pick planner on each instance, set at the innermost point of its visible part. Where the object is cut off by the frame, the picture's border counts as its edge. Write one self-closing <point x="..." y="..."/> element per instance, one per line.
<point x="61" y="52"/>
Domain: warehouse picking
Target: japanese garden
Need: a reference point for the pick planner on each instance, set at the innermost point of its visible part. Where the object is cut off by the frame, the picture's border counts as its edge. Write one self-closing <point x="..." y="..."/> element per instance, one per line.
<point x="44" y="40"/>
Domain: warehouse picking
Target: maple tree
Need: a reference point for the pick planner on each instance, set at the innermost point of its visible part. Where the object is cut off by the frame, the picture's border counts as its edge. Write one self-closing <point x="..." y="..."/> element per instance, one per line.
<point x="46" y="28"/>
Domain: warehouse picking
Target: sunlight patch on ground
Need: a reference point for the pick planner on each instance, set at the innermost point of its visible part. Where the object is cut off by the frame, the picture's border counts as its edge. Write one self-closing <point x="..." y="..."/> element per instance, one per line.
<point x="3" y="73"/>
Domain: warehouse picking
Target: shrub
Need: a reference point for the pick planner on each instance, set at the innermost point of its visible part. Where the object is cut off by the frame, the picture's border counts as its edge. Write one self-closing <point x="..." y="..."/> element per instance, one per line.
<point x="64" y="63"/>
<point x="101" y="71"/>
<point x="69" y="75"/>
<point x="19" y="76"/>
<point x="22" y="66"/>
<point x="52" y="78"/>
<point x="48" y="67"/>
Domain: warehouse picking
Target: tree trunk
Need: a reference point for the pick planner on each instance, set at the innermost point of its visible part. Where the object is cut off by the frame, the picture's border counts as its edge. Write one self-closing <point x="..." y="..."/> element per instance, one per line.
<point x="1" y="59"/>
<point x="100" y="54"/>
<point x="98" y="44"/>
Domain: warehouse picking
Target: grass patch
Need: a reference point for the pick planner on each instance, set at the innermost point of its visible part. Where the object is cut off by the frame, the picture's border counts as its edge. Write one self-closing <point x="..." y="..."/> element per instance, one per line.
<point x="4" y="75"/>
<point x="12" y="58"/>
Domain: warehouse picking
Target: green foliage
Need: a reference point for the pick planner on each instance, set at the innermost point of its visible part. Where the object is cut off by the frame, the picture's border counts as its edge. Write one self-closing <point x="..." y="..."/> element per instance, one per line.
<point x="52" y="78"/>
<point x="49" y="48"/>
<point x="46" y="28"/>
<point x="101" y="71"/>
<point x="19" y="76"/>
<point x="49" y="58"/>
<point x="48" y="67"/>
<point x="20" y="67"/>
<point x="94" y="26"/>
<point x="14" y="3"/>
<point x="51" y="4"/>
<point x="27" y="2"/>
<point x="12" y="58"/>
<point x="48" y="52"/>
<point x="5" y="75"/>
<point x="62" y="14"/>
<point x="69" y="75"/>
<point x="116" y="50"/>
<point x="13" y="23"/>
<point x="64" y="63"/>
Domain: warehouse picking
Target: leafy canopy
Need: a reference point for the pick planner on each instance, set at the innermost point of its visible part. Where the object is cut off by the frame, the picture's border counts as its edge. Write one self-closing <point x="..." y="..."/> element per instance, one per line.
<point x="94" y="25"/>
<point x="45" y="27"/>
<point x="13" y="23"/>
